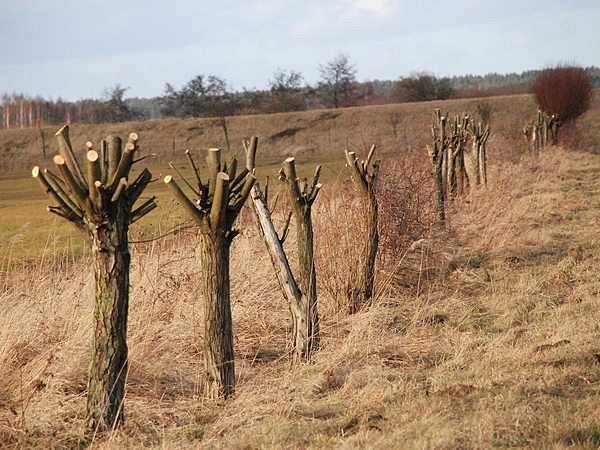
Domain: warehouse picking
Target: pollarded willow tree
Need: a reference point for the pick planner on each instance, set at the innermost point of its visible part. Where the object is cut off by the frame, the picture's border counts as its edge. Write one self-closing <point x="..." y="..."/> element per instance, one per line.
<point x="476" y="158"/>
<point x="302" y="195"/>
<point x="219" y="200"/>
<point x="542" y="131"/>
<point x="101" y="204"/>
<point x="301" y="297"/>
<point x="439" y="154"/>
<point x="457" y="178"/>
<point x="364" y="176"/>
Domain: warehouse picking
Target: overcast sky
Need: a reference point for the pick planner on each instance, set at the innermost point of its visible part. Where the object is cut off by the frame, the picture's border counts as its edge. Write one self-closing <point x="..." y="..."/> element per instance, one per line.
<point x="76" y="48"/>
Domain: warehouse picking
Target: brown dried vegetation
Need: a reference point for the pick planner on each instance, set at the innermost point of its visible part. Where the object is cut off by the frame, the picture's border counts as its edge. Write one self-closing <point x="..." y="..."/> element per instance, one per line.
<point x="484" y="334"/>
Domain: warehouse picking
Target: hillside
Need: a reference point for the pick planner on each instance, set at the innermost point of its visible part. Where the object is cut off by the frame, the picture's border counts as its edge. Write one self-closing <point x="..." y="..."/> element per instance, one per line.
<point x="310" y="135"/>
<point x="313" y="137"/>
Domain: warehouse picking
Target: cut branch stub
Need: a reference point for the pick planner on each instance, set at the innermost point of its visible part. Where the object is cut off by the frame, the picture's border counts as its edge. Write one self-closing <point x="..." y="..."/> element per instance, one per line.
<point x="104" y="212"/>
<point x="305" y="196"/>
<point x="215" y="208"/>
<point x="66" y="151"/>
<point x="363" y="173"/>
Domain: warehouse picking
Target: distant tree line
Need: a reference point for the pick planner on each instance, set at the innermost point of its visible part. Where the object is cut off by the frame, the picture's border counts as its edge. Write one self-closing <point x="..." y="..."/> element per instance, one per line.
<point x="208" y="95"/>
<point x="21" y="111"/>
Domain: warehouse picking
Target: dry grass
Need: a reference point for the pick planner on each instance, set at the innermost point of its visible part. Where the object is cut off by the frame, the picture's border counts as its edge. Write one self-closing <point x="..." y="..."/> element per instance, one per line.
<point x="495" y="344"/>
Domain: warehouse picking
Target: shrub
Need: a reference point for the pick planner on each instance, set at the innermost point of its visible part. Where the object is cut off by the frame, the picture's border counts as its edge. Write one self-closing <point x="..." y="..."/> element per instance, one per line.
<point x="406" y="211"/>
<point x="422" y="87"/>
<point x="563" y="90"/>
<point x="485" y="111"/>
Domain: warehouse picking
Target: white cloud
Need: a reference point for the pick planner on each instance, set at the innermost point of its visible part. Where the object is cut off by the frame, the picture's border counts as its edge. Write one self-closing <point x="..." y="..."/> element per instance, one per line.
<point x="373" y="6"/>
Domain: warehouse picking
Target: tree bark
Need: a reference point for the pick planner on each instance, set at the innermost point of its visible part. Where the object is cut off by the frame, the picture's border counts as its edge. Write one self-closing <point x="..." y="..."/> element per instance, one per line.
<point x="459" y="168"/>
<point x="445" y="163"/>
<point x="482" y="164"/>
<point x="472" y="165"/>
<point x="108" y="368"/>
<point x="105" y="211"/>
<point x="303" y="340"/>
<point x="361" y="294"/>
<point x="439" y="185"/>
<point x="309" y="319"/>
<point x="213" y="256"/>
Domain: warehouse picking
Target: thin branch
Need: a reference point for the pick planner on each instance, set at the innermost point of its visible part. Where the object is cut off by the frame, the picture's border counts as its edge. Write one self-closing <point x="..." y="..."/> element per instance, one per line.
<point x="173" y="230"/>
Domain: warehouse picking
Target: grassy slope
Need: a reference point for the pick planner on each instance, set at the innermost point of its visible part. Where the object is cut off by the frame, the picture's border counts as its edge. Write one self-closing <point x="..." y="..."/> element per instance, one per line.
<point x="496" y="346"/>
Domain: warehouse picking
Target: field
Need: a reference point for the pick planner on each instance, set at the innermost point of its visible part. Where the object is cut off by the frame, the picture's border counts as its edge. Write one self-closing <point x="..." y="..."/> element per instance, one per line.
<point x="484" y="334"/>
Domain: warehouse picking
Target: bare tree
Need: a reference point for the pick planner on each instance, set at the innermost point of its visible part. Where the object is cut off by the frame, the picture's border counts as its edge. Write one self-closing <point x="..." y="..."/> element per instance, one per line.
<point x="364" y="176"/>
<point x="300" y="290"/>
<point x="422" y="87"/>
<point x="117" y="109"/>
<point x="338" y="81"/>
<point x="286" y="91"/>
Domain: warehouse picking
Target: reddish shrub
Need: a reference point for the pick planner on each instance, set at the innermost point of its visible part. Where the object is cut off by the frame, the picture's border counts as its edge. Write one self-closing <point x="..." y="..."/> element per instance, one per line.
<point x="563" y="90"/>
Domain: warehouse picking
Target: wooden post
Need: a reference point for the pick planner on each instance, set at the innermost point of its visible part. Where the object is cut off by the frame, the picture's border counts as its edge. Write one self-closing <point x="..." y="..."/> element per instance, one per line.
<point x="218" y="203"/>
<point x="364" y="176"/>
<point x="105" y="217"/>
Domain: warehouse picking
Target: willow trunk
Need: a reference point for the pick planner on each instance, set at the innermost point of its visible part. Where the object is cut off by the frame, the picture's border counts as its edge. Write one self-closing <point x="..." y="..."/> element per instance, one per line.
<point x="306" y="321"/>
<point x="361" y="294"/>
<point x="108" y="368"/>
<point x="213" y="258"/>
<point x="439" y="187"/>
<point x="482" y="164"/>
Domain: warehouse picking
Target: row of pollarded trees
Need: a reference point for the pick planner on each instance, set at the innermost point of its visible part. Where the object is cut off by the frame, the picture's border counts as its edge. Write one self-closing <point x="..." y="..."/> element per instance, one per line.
<point x="458" y="157"/>
<point x="102" y="200"/>
<point x="542" y="131"/>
